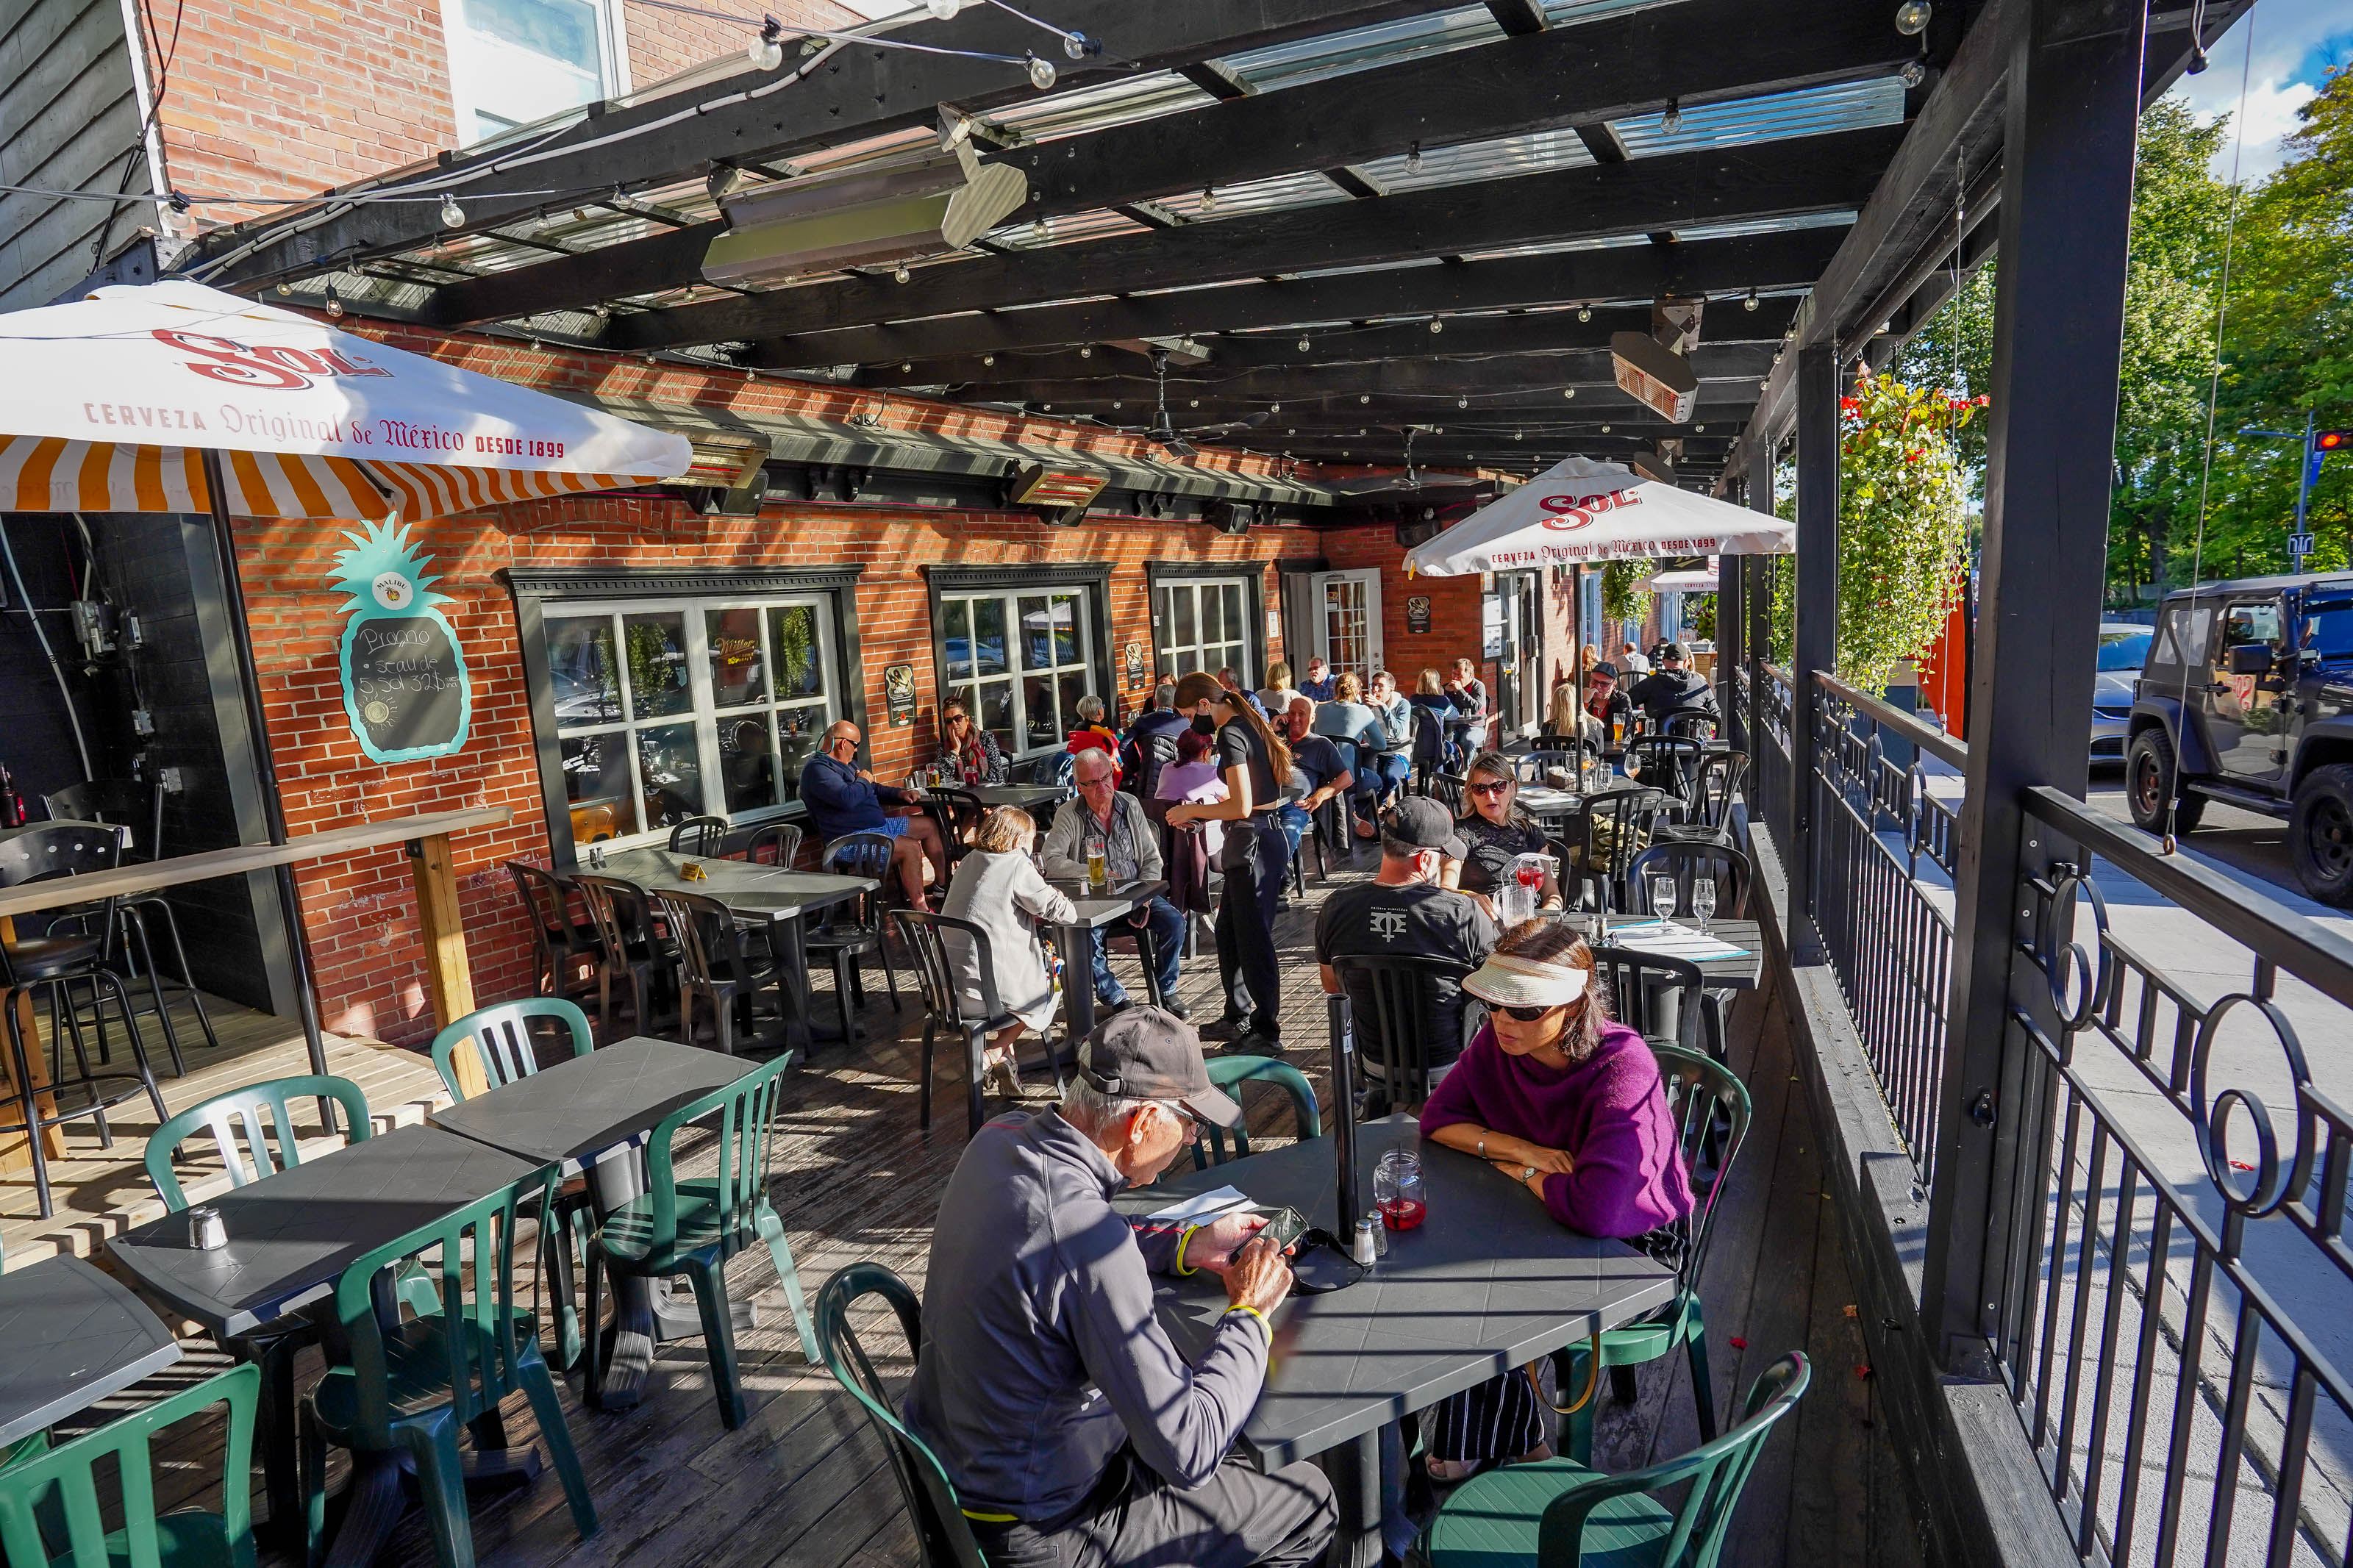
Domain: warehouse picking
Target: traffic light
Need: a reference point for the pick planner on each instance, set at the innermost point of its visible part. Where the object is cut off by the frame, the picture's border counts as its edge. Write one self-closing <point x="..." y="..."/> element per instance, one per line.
<point x="2331" y="440"/>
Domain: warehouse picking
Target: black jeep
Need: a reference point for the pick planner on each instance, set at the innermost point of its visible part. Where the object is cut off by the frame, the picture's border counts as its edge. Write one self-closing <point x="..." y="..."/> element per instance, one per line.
<point x="2248" y="694"/>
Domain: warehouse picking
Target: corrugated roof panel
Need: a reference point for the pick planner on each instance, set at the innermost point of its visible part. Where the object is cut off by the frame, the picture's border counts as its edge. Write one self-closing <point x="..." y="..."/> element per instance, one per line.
<point x="1282" y="193"/>
<point x="1532" y="152"/>
<point x="1845" y="106"/>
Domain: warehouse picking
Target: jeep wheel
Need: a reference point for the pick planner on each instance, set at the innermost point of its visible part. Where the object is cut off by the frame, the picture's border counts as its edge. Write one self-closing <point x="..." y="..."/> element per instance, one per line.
<point x="2320" y="834"/>
<point x="2148" y="785"/>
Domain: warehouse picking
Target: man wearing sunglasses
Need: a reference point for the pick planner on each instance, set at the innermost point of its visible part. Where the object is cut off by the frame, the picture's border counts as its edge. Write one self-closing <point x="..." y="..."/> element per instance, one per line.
<point x="1405" y="912"/>
<point x="1073" y="1429"/>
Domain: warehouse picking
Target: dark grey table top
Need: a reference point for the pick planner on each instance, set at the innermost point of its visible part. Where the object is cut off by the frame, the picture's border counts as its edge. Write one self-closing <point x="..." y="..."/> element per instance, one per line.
<point x="293" y="1234"/>
<point x="1741" y="973"/>
<point x="70" y="1336"/>
<point x="1489" y="1283"/>
<point x="752" y="891"/>
<point x="1101" y="909"/>
<point x="588" y="1104"/>
<point x="1024" y="796"/>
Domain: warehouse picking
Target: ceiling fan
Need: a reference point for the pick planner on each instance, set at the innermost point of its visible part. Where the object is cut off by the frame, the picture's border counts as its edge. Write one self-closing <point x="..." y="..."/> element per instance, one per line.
<point x="1163" y="431"/>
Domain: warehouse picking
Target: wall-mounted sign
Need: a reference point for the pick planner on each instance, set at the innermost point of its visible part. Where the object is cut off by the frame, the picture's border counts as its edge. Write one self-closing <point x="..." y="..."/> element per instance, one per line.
<point x="899" y="692"/>
<point x="405" y="685"/>
<point x="1416" y="612"/>
<point x="1135" y="664"/>
<point x="1490" y="625"/>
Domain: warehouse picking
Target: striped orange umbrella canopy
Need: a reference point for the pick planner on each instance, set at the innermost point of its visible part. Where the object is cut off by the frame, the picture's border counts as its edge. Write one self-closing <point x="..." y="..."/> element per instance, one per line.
<point x="110" y="403"/>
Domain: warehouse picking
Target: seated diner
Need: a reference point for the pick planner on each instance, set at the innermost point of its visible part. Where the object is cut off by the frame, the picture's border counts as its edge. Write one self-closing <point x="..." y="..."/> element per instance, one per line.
<point x="998" y="887"/>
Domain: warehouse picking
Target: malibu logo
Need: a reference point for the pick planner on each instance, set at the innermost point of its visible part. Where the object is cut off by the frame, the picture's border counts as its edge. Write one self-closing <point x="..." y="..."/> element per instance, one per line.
<point x="271" y="366"/>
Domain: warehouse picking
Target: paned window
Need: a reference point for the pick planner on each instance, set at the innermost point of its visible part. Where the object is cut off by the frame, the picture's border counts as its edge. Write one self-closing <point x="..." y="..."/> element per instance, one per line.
<point x="515" y="61"/>
<point x="1020" y="661"/>
<point x="671" y="709"/>
<point x="1204" y="625"/>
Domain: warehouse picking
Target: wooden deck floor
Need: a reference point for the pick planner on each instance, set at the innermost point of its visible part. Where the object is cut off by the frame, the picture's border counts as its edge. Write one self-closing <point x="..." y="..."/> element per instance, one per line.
<point x="803" y="1481"/>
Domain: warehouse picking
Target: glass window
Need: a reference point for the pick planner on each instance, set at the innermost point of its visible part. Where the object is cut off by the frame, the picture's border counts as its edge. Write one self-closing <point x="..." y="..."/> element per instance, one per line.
<point x="1035" y="709"/>
<point x="515" y="61"/>
<point x="668" y="711"/>
<point x="2123" y="650"/>
<point x="2258" y="622"/>
<point x="1204" y="626"/>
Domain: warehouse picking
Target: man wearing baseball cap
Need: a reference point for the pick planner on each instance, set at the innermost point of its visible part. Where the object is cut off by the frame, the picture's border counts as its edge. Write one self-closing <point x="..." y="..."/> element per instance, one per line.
<point x="1071" y="1427"/>
<point x="1674" y="690"/>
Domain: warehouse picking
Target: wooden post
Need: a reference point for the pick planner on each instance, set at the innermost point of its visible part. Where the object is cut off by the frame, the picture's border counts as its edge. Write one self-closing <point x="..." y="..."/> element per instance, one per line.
<point x="447" y="978"/>
<point x="13" y="1156"/>
<point x="1814" y="638"/>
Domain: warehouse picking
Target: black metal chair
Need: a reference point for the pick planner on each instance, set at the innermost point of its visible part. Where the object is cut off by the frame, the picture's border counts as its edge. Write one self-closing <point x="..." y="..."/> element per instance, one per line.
<point x="53" y="965"/>
<point x="958" y="813"/>
<point x="1715" y="789"/>
<point x="1390" y="998"/>
<point x="1446" y="789"/>
<point x="854" y="929"/>
<point x="1536" y="766"/>
<point x="1668" y="762"/>
<point x="630" y="950"/>
<point x="139" y="807"/>
<point x="1656" y="996"/>
<point x="717" y="968"/>
<point x="1690" y="726"/>
<point x="1685" y="860"/>
<point x="702" y="835"/>
<point x="935" y="978"/>
<point x="777" y="844"/>
<point x="1604" y="838"/>
<point x="564" y="946"/>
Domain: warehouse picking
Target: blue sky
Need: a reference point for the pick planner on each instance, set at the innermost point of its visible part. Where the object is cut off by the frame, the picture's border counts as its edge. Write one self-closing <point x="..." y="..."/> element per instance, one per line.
<point x="2296" y="41"/>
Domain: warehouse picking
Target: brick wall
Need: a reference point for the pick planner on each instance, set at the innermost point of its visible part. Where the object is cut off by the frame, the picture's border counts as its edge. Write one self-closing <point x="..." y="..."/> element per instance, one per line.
<point x="1453" y="606"/>
<point x="359" y="911"/>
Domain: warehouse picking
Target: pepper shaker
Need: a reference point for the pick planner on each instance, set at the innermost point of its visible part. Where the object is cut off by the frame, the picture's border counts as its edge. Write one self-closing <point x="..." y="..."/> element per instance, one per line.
<point x="1380" y="1232"/>
<point x="206" y="1230"/>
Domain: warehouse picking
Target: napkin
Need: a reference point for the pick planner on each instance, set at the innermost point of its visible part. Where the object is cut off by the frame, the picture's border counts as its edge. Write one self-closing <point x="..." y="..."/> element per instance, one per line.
<point x="1668" y="939"/>
<point x="1202" y="1206"/>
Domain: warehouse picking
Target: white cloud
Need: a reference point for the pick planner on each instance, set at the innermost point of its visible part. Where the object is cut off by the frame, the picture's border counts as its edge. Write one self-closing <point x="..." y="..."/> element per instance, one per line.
<point x="2284" y="75"/>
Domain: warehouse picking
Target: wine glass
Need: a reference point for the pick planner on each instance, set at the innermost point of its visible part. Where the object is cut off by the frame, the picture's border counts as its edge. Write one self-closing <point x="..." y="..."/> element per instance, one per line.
<point x="1703" y="900"/>
<point x="1663" y="894"/>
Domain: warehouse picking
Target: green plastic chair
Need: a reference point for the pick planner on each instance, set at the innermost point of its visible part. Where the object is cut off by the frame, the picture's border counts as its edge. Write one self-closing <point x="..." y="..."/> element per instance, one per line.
<point x="1710" y="1106"/>
<point x="412" y="1383"/>
<point x="1557" y="1513"/>
<point x="944" y="1536"/>
<point x="62" y="1484"/>
<point x="692" y="1226"/>
<point x="1227" y="1073"/>
<point x="502" y="1038"/>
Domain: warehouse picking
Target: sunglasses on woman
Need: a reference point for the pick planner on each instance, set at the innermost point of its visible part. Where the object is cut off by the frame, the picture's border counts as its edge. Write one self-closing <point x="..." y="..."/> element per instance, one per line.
<point x="1526" y="1015"/>
<point x="1493" y="786"/>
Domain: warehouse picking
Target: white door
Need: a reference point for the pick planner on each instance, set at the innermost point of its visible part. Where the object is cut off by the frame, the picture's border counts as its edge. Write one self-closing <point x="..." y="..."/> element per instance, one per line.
<point x="1348" y="621"/>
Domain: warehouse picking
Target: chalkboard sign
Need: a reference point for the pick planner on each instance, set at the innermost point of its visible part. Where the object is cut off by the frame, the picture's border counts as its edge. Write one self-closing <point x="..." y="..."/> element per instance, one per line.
<point x="406" y="690"/>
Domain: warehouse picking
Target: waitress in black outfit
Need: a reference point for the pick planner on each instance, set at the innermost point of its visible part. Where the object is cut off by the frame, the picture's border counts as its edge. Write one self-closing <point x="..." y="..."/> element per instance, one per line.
<point x="1252" y="758"/>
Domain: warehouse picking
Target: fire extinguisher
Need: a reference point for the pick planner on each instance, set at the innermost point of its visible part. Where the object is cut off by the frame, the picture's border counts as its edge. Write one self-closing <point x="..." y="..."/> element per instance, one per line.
<point x="12" y="805"/>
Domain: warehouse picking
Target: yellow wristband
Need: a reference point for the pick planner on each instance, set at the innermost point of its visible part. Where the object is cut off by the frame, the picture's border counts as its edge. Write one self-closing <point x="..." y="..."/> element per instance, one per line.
<point x="1182" y="1237"/>
<point x="1262" y="1317"/>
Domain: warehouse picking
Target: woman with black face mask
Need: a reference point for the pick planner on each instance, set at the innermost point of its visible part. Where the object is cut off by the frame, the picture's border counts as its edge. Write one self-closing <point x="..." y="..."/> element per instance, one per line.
<point x="1254" y="761"/>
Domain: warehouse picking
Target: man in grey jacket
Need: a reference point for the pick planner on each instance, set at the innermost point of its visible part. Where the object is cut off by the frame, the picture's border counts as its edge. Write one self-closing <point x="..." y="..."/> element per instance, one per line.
<point x="1131" y="852"/>
<point x="1073" y="1431"/>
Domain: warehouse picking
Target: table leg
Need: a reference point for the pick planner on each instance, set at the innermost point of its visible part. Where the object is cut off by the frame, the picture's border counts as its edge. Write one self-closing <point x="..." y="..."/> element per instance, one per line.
<point x="615" y="1182"/>
<point x="1077" y="945"/>
<point x="1354" y="1470"/>
<point x="787" y="938"/>
<point x="373" y="1505"/>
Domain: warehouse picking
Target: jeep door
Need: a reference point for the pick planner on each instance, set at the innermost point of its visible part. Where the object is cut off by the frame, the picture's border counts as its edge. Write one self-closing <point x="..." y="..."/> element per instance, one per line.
<point x="2248" y="726"/>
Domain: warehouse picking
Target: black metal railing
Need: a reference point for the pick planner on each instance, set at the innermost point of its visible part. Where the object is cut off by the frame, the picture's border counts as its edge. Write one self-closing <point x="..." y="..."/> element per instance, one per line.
<point x="1887" y="934"/>
<point x="2168" y="1323"/>
<point x="1771" y="770"/>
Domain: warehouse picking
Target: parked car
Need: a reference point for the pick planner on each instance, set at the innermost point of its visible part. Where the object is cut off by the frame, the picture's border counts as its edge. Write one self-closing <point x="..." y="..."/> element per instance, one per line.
<point x="2124" y="649"/>
<point x="2247" y="696"/>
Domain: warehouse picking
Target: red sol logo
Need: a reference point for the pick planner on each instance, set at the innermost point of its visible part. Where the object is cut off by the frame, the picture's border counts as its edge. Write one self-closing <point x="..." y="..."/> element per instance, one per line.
<point x="272" y="366"/>
<point x="1579" y="512"/>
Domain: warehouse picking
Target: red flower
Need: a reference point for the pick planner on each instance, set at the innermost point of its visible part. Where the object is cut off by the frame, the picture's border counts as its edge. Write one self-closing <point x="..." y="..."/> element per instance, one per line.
<point x="1850" y="404"/>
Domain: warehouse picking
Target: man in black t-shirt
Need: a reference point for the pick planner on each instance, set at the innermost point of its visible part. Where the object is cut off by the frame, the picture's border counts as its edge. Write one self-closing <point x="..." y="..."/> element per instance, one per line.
<point x="1404" y="912"/>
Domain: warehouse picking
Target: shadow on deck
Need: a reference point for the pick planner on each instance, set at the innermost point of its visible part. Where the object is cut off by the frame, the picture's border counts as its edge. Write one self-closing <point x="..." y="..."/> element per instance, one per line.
<point x="802" y="1482"/>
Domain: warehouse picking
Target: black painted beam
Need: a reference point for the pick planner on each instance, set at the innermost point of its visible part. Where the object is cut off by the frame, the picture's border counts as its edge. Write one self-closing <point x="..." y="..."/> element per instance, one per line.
<point x="1764" y="181"/>
<point x="852" y="92"/>
<point x="1589" y="371"/>
<point x="1793" y="258"/>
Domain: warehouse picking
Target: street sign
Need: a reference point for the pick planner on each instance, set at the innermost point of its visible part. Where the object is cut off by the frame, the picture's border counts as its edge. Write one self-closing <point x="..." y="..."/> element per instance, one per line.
<point x="2299" y="544"/>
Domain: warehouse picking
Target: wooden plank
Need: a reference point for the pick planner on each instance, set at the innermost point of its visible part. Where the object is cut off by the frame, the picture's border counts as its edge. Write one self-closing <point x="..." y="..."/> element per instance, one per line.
<point x="448" y="979"/>
<point x="1804" y="174"/>
<point x="150" y="875"/>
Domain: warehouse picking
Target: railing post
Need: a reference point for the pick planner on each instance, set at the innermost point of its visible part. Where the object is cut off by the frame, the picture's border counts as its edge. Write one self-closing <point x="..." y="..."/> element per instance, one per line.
<point x="2074" y="87"/>
<point x="1729" y="627"/>
<point x="1815" y="637"/>
<point x="1759" y="596"/>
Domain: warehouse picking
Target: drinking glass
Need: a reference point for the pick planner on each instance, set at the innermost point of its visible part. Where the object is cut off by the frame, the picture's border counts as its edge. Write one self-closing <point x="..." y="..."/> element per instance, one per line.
<point x="1703" y="900"/>
<point x="1096" y="861"/>
<point x="1662" y="896"/>
<point x="1398" y="1191"/>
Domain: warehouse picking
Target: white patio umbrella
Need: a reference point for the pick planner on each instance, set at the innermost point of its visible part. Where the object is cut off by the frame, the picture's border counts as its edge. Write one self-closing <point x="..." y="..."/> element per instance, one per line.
<point x="1582" y="513"/>
<point x="1693" y="580"/>
<point x="174" y="397"/>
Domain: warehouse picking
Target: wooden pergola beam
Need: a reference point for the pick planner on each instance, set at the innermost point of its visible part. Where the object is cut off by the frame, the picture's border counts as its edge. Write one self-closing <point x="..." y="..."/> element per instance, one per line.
<point x="1586" y="370"/>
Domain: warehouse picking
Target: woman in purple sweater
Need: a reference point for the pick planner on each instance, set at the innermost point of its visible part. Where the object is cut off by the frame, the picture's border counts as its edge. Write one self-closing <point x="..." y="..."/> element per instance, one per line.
<point x="1570" y="1106"/>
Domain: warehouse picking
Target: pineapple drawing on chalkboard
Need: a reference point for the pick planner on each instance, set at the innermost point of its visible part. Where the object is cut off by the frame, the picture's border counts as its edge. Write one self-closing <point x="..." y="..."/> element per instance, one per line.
<point x="404" y="683"/>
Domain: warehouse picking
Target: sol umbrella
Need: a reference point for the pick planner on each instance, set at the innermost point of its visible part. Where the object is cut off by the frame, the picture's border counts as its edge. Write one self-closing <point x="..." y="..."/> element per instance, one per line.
<point x="179" y="398"/>
<point x="1580" y="512"/>
<point x="1696" y="580"/>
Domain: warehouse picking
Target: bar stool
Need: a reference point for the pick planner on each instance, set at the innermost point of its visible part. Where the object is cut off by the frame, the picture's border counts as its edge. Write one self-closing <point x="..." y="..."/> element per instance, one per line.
<point x="53" y="965"/>
<point x="138" y="808"/>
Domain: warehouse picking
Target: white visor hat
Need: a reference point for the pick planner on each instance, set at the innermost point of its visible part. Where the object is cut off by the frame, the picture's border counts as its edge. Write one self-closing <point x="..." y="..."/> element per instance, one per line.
<point x="1506" y="981"/>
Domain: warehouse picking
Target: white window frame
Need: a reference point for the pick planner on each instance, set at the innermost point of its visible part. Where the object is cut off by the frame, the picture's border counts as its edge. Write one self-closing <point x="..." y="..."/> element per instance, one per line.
<point x="700" y="712"/>
<point x="966" y="690"/>
<point x="613" y="67"/>
<point x="1235" y="647"/>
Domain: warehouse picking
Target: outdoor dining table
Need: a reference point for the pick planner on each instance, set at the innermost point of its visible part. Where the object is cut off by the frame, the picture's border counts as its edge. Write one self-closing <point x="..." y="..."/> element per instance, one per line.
<point x="1097" y="907"/>
<point x="776" y="897"/>
<point x="1028" y="796"/>
<point x="1741" y="970"/>
<point x="579" y="1110"/>
<point x="70" y="1334"/>
<point x="290" y="1236"/>
<point x="1488" y="1283"/>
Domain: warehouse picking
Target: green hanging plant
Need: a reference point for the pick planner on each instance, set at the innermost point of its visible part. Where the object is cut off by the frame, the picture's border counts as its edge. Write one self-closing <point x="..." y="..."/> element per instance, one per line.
<point x="1624" y="598"/>
<point x="1903" y="527"/>
<point x="1699" y="615"/>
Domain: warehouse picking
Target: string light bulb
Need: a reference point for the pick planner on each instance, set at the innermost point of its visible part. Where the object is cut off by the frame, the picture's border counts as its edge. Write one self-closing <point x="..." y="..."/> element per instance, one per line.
<point x="943" y="10"/>
<point x="1077" y="45"/>
<point x="1750" y="302"/>
<point x="285" y="288"/>
<point x="1605" y="429"/>
<point x="1275" y="408"/>
<point x="1912" y="17"/>
<point x="1302" y="345"/>
<point x="900" y="273"/>
<point x="766" y="52"/>
<point x="334" y="305"/>
<point x="1584" y="312"/>
<point x="1436" y="325"/>
<point x="1086" y="350"/>
<point x="1912" y="74"/>
<point x="1209" y="200"/>
<point x="905" y="365"/>
<point x="1041" y="73"/>
<point x="1413" y="159"/>
<point x="1364" y="397"/>
<point x="1195" y="404"/>
<point x="988" y="359"/>
<point x="452" y="215"/>
<point x="1462" y="402"/>
<point x="1672" y="119"/>
<point x="1568" y="392"/>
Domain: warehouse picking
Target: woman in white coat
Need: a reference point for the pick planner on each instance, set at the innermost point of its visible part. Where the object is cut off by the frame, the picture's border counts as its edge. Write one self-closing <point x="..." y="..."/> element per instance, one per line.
<point x="998" y="887"/>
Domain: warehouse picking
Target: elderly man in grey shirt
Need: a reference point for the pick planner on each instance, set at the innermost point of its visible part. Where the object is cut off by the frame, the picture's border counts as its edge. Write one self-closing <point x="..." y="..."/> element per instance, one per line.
<point x="1132" y="853"/>
<point x="1074" y="1434"/>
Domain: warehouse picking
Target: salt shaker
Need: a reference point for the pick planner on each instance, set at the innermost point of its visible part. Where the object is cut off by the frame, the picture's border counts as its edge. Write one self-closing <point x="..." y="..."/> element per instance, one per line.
<point x="1380" y="1232"/>
<point x="206" y="1231"/>
<point x="1368" y="1247"/>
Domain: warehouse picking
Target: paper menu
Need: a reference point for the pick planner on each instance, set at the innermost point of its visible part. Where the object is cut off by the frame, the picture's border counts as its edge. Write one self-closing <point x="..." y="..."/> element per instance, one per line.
<point x="1671" y="938"/>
